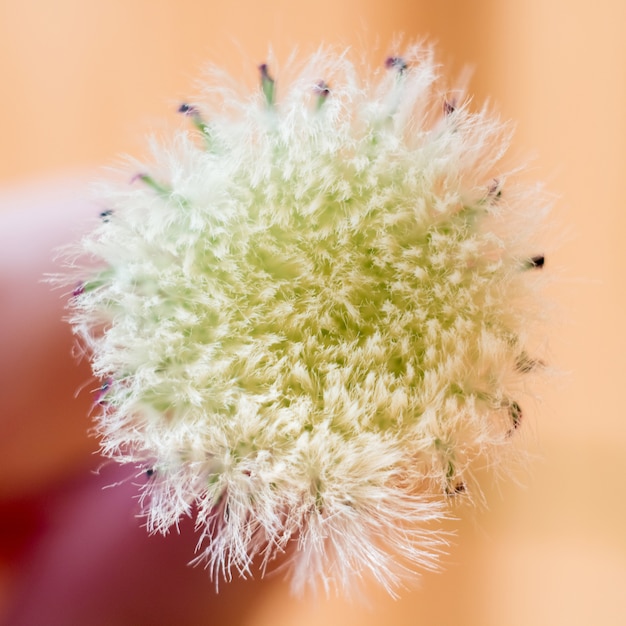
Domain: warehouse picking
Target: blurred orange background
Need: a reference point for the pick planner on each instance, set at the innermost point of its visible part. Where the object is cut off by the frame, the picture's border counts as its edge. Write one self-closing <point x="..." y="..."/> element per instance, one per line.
<point x="82" y="82"/>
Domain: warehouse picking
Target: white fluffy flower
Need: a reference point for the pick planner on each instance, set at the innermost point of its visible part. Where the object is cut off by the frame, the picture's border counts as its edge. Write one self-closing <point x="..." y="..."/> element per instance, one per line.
<point x="310" y="318"/>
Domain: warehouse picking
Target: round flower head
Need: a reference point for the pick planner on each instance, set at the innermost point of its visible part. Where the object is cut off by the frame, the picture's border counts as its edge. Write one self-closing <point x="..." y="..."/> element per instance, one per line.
<point x="310" y="318"/>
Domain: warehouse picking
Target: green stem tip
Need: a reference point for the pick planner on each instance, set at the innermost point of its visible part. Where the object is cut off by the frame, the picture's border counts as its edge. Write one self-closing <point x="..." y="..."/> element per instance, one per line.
<point x="267" y="84"/>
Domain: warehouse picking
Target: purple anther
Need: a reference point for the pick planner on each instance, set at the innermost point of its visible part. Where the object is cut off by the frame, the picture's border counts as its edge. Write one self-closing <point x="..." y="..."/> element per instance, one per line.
<point x="187" y="109"/>
<point x="534" y="263"/>
<point x="102" y="391"/>
<point x="139" y="176"/>
<point x="396" y="63"/>
<point x="79" y="290"/>
<point x="105" y="215"/>
<point x="148" y="180"/>
<point x="322" y="89"/>
<point x="515" y="413"/>
<point x="524" y="363"/>
<point x="495" y="190"/>
<point x="458" y="489"/>
<point x="449" y="106"/>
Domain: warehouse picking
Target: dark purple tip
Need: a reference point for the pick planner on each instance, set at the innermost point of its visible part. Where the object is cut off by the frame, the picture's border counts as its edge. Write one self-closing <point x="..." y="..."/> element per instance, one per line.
<point x="78" y="290"/>
<point x="516" y="414"/>
<point x="524" y="363"/>
<point x="449" y="106"/>
<point x="534" y="263"/>
<point x="102" y="392"/>
<point x="150" y="472"/>
<point x="187" y="109"/>
<point x="138" y="176"/>
<point x="264" y="69"/>
<point x="105" y="215"/>
<point x="456" y="490"/>
<point x="322" y="89"/>
<point x="396" y="63"/>
<point x="495" y="190"/>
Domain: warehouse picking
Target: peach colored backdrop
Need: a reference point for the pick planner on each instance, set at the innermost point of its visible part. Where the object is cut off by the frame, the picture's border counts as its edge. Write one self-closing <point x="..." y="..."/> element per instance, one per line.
<point x="81" y="82"/>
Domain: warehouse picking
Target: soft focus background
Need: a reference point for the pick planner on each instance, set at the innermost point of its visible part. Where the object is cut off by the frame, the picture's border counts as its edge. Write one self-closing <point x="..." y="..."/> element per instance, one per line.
<point x="82" y="82"/>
